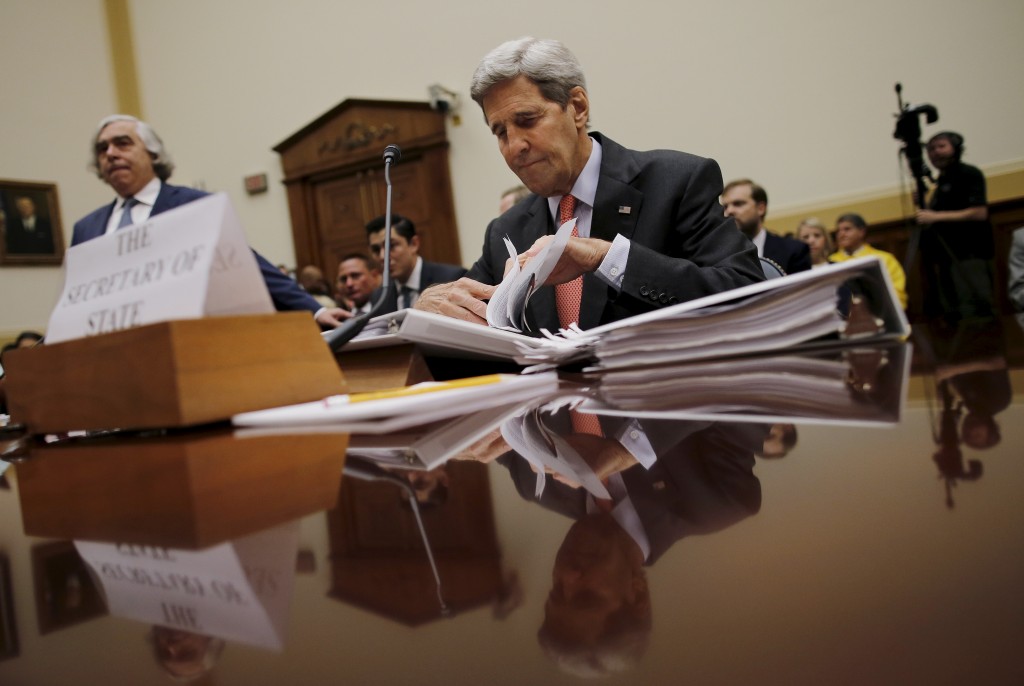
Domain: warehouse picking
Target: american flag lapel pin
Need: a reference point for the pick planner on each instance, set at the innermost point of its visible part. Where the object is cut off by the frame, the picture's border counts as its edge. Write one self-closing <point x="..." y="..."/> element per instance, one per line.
<point x="625" y="209"/>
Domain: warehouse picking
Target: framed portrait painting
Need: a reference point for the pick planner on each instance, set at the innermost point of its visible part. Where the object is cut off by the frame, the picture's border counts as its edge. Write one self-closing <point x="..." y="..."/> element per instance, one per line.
<point x="30" y="226"/>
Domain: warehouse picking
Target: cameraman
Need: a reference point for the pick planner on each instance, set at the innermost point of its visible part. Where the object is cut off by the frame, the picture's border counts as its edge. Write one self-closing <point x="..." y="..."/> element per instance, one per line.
<point x="957" y="249"/>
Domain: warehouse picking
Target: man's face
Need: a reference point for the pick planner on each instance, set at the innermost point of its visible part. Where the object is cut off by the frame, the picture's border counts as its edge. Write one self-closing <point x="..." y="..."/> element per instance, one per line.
<point x="739" y="205"/>
<point x="403" y="253"/>
<point x="941" y="153"/>
<point x="26" y="208"/>
<point x="356" y="282"/>
<point x="593" y="578"/>
<point x="122" y="158"/>
<point x="849" y="236"/>
<point x="545" y="145"/>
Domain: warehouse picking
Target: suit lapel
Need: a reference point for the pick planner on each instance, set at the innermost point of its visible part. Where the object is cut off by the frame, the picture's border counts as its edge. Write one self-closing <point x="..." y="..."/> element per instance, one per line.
<point x="616" y="210"/>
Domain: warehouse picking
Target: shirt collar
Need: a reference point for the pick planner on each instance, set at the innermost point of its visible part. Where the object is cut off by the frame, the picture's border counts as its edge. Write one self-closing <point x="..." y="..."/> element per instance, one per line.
<point x="758" y="240"/>
<point x="413" y="281"/>
<point x="147" y="194"/>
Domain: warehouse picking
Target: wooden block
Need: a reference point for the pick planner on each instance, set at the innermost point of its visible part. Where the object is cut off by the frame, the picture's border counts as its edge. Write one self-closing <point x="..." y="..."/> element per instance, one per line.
<point x="187" y="491"/>
<point x="171" y="374"/>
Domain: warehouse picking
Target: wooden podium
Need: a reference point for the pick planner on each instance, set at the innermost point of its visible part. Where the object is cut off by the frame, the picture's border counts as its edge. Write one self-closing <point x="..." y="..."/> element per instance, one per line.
<point x="171" y="374"/>
<point x="376" y="369"/>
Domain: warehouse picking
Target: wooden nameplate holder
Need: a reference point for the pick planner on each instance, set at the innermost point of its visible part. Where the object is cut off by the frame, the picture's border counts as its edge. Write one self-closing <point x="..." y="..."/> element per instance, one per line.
<point x="188" y="491"/>
<point x="376" y="369"/>
<point x="171" y="374"/>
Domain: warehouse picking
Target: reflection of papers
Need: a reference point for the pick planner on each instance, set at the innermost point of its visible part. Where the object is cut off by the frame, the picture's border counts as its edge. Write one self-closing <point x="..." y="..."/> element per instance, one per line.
<point x="388" y="411"/>
<point x="238" y="591"/>
<point x="507" y="306"/>
<point x="431" y="445"/>
<point x="860" y="384"/>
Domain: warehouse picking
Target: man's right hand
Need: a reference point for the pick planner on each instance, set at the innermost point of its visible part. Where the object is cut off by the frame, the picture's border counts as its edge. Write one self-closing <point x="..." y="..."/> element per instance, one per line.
<point x="462" y="299"/>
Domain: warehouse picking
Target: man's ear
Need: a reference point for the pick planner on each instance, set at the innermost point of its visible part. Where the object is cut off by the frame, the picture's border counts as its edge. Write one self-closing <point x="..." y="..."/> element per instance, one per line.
<point x="414" y="243"/>
<point x="580" y="103"/>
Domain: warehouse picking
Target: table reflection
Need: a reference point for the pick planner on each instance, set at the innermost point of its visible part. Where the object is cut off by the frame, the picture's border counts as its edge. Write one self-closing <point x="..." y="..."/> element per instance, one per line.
<point x="632" y="550"/>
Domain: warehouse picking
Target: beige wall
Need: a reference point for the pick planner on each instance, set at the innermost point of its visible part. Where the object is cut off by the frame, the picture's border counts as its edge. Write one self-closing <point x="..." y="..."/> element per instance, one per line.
<point x="798" y="95"/>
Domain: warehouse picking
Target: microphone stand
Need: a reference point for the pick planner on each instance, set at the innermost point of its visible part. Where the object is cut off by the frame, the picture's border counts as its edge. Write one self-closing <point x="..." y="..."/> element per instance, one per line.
<point x="359" y="468"/>
<point x="337" y="338"/>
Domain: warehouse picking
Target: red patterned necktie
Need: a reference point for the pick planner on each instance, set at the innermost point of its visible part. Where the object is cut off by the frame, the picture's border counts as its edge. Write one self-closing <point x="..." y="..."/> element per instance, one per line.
<point x="568" y="295"/>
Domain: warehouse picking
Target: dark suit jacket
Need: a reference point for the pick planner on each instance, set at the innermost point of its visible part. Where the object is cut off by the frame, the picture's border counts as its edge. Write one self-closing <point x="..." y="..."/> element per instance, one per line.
<point x="432" y="273"/>
<point x="790" y="254"/>
<point x="20" y="241"/>
<point x="702" y="481"/>
<point x="286" y="294"/>
<point x="666" y="203"/>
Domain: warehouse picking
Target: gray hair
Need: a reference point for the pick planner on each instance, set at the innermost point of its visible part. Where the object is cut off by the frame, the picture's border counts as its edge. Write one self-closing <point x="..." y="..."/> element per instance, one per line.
<point x="547" y="63"/>
<point x="163" y="165"/>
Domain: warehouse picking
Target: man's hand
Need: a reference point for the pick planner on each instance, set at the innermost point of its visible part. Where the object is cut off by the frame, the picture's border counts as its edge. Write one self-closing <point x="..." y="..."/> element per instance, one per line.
<point x="332" y="317"/>
<point x="926" y="216"/>
<point x="581" y="256"/>
<point x="462" y="299"/>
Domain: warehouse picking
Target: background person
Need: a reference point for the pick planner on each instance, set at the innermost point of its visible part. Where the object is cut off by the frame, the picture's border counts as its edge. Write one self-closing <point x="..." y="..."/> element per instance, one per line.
<point x="851" y="237"/>
<point x="747" y="203"/>
<point x="813" y="232"/>
<point x="130" y="157"/>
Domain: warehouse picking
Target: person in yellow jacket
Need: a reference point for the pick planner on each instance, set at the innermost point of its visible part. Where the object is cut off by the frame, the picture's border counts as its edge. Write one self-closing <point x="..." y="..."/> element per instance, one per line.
<point x="851" y="235"/>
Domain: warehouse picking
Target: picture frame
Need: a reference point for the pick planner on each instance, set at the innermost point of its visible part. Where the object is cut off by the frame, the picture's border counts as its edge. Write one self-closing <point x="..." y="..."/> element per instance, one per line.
<point x="8" y="626"/>
<point x="31" y="232"/>
<point x="66" y="592"/>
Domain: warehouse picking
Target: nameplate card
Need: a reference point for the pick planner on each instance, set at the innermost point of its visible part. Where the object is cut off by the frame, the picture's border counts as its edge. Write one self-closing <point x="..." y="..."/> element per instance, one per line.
<point x="186" y="263"/>
<point x="239" y="591"/>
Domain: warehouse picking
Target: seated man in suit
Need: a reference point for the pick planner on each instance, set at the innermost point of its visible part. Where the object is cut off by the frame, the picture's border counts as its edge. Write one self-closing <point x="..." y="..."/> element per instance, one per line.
<point x="130" y="157"/>
<point x="851" y="237"/>
<point x="410" y="273"/>
<point x="650" y="230"/>
<point x="747" y="203"/>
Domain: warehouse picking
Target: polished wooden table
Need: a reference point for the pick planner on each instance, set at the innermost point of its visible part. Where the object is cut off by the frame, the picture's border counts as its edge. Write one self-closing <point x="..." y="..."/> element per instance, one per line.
<point x="878" y="556"/>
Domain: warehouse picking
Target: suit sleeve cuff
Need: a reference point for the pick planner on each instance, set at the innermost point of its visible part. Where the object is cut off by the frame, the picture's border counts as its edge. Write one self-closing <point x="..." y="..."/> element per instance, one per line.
<point x="612" y="269"/>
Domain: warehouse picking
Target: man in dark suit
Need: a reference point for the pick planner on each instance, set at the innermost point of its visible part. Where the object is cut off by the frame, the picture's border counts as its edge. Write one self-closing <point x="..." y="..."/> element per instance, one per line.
<point x="410" y="273"/>
<point x="747" y="203"/>
<point x="130" y="157"/>
<point x="651" y="231"/>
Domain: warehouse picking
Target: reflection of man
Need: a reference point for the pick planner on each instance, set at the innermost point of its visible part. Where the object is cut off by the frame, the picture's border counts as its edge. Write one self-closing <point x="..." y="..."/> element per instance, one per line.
<point x="597" y="616"/>
<point x="410" y="273"/>
<point x="651" y="232"/>
<point x="851" y="238"/>
<point x="1016" y="266"/>
<point x="185" y="655"/>
<point x="130" y="157"/>
<point x="26" y="232"/>
<point x="957" y="246"/>
<point x="747" y="203"/>
<point x="358" y="278"/>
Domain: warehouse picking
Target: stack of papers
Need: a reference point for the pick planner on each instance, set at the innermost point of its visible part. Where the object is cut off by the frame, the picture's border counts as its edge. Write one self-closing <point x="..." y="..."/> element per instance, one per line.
<point x="777" y="314"/>
<point x="388" y="411"/>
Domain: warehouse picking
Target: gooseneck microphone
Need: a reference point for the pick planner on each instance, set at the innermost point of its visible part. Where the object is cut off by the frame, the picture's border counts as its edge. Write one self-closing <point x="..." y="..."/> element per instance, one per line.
<point x="337" y="338"/>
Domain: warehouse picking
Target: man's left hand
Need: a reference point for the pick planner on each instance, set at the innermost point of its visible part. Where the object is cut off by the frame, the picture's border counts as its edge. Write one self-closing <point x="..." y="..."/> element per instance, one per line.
<point x="581" y="256"/>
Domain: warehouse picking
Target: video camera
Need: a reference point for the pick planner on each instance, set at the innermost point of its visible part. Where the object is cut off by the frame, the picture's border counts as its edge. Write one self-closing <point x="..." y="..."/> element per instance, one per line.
<point x="908" y="130"/>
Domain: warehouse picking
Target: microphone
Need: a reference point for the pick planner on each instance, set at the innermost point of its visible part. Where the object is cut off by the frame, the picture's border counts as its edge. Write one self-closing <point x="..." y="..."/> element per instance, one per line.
<point x="337" y="338"/>
<point x="392" y="154"/>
